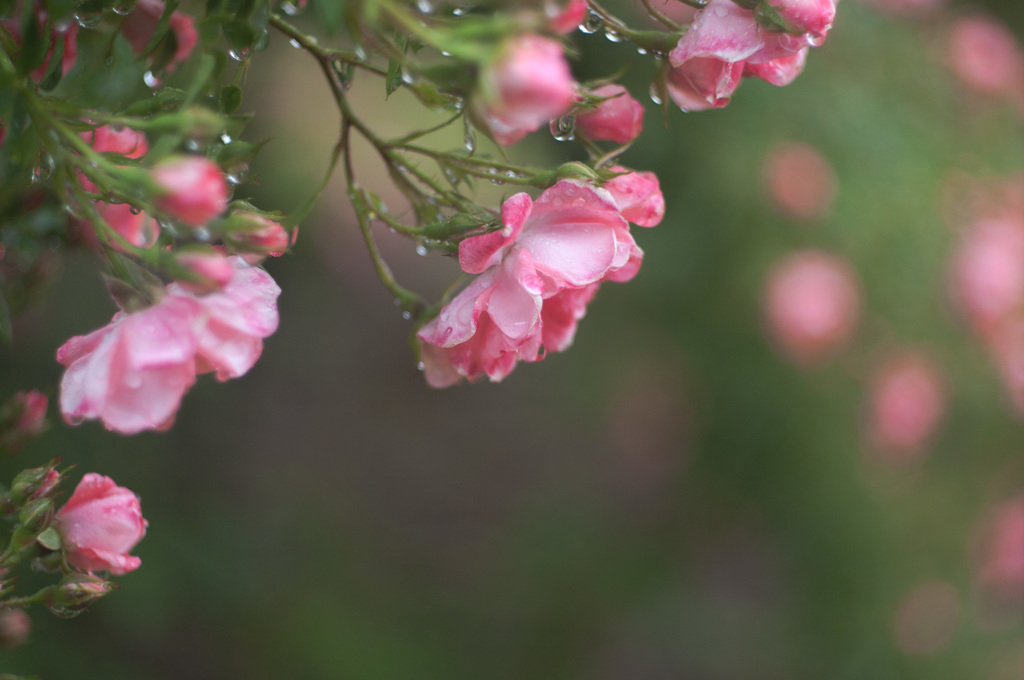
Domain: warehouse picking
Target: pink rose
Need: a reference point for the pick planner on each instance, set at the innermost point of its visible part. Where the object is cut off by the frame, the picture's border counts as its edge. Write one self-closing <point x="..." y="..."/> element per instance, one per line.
<point x="800" y="181"/>
<point x="526" y="86"/>
<point x="139" y="25"/>
<point x="988" y="271"/>
<point x="726" y="42"/>
<point x="196" y="190"/>
<point x="638" y="196"/>
<point x="568" y="18"/>
<point x="237" y="319"/>
<point x="100" y="524"/>
<point x="619" y="118"/>
<point x="811" y="305"/>
<point x="210" y="270"/>
<point x="256" y="236"/>
<point x="133" y="373"/>
<point x="568" y="241"/>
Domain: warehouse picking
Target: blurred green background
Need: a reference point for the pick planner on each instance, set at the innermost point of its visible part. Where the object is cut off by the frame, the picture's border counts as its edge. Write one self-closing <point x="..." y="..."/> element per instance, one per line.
<point x="669" y="499"/>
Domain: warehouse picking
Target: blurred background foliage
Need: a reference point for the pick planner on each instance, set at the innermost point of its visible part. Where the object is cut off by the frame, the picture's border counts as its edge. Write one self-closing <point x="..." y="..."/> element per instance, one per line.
<point x="672" y="498"/>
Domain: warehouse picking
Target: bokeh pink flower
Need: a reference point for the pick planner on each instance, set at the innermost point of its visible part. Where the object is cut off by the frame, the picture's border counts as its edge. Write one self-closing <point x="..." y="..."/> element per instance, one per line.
<point x="140" y="25"/>
<point x="906" y="404"/>
<point x="619" y="118"/>
<point x="195" y="190"/>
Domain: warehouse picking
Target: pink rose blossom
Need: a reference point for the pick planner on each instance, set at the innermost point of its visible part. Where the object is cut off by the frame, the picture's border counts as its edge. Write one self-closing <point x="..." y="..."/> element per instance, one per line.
<point x="726" y="42"/>
<point x="100" y="524"/>
<point x="570" y="17"/>
<point x="196" y="190"/>
<point x="256" y="236"/>
<point x="619" y="118"/>
<point x="986" y="56"/>
<point x="212" y="270"/>
<point x="526" y="86"/>
<point x="138" y="28"/>
<point x="811" y="304"/>
<point x="237" y="319"/>
<point x="907" y="403"/>
<point x="542" y="267"/>
<point x="638" y="196"/>
<point x="133" y="373"/>
<point x="800" y="181"/>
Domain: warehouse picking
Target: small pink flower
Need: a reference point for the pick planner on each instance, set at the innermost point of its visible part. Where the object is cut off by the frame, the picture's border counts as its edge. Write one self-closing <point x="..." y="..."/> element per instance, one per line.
<point x="811" y="304"/>
<point x="138" y="28"/>
<point x="800" y="181"/>
<point x="907" y="403"/>
<point x="237" y="319"/>
<point x="133" y="373"/>
<point x="638" y="195"/>
<point x="570" y="17"/>
<point x="256" y="236"/>
<point x="526" y="86"/>
<point x="196" y="190"/>
<point x="619" y="118"/>
<point x="138" y="228"/>
<point x="32" y="415"/>
<point x="100" y="524"/>
<point x="986" y="56"/>
<point x="124" y="141"/>
<point x="726" y="42"/>
<point x="212" y="270"/>
<point x="542" y="267"/>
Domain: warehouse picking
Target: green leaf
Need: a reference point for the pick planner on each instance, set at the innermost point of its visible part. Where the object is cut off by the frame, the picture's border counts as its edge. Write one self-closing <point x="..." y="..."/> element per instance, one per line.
<point x="55" y="70"/>
<point x="230" y="98"/>
<point x="59" y="9"/>
<point x="394" y="77"/>
<point x="35" y="43"/>
<point x="50" y="539"/>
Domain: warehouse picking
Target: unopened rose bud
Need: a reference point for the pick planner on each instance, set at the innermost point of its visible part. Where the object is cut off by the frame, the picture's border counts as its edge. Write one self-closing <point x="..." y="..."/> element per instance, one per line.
<point x="195" y="190"/>
<point x="576" y="170"/>
<point x="75" y="593"/>
<point x="35" y="517"/>
<point x="22" y="418"/>
<point x="567" y="19"/>
<point x="208" y="270"/>
<point x="638" y="196"/>
<point x="15" y="627"/>
<point x="619" y="118"/>
<point x="28" y="485"/>
<point x="256" y="235"/>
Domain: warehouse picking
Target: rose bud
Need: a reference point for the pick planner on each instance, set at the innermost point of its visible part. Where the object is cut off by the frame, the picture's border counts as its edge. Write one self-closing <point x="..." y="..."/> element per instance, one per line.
<point x="638" y="196"/>
<point x="253" y="234"/>
<point x="208" y="270"/>
<point x="100" y="524"/>
<point x="567" y="19"/>
<point x="75" y="593"/>
<point x="195" y="190"/>
<point x="619" y="118"/>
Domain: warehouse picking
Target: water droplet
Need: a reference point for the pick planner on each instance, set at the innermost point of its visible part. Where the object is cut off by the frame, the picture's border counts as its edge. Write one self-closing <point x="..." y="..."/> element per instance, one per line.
<point x="42" y="171"/>
<point x="124" y="7"/>
<point x="470" y="140"/>
<point x="420" y="366"/>
<point x="592" y="23"/>
<point x="292" y="8"/>
<point x="721" y="10"/>
<point x="151" y="80"/>
<point x="345" y="71"/>
<point x="425" y="6"/>
<point x="421" y="249"/>
<point x="225" y="138"/>
<point x="201" y="234"/>
<point x="459" y="11"/>
<point x="641" y="51"/>
<point x="613" y="36"/>
<point x="655" y="94"/>
<point x="564" y="128"/>
<point x="88" y="19"/>
<point x="240" y="54"/>
<point x="294" y="43"/>
<point x="406" y="315"/>
<point x="133" y="210"/>
<point x="814" y="40"/>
